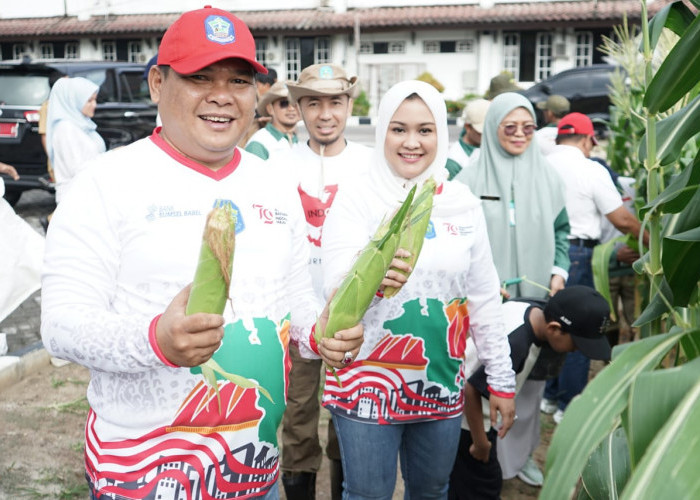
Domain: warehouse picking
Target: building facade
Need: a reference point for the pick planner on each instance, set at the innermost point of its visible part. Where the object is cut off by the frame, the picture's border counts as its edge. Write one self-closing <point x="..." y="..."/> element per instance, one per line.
<point x="461" y="44"/>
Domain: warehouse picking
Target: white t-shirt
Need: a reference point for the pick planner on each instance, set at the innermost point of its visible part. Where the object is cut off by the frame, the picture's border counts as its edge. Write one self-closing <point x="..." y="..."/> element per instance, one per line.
<point x="546" y="139"/>
<point x="590" y="192"/>
<point x="317" y="180"/>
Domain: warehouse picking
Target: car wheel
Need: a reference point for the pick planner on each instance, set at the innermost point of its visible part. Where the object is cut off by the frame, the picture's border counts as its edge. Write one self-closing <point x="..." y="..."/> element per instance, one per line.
<point x="12" y="196"/>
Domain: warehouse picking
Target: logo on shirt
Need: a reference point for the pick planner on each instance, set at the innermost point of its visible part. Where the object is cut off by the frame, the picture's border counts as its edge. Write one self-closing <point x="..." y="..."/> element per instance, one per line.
<point x="456" y="230"/>
<point x="316" y="209"/>
<point x="430" y="232"/>
<point x="240" y="224"/>
<point x="219" y="30"/>
<point x="270" y="216"/>
<point x="154" y="212"/>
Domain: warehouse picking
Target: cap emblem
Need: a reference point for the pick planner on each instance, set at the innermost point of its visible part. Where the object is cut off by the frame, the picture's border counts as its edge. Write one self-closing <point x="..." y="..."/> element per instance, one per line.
<point x="325" y="72"/>
<point x="219" y="30"/>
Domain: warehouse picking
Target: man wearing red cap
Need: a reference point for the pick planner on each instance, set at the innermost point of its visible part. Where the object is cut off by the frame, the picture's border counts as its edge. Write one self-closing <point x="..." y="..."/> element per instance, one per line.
<point x="124" y="246"/>
<point x="590" y="195"/>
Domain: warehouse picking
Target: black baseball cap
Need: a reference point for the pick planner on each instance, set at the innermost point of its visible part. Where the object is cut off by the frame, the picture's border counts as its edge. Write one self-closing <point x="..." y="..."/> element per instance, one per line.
<point x="584" y="314"/>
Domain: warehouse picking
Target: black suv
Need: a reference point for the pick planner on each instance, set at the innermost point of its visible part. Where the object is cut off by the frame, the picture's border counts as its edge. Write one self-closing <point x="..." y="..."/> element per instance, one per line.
<point x="124" y="113"/>
<point x="586" y="88"/>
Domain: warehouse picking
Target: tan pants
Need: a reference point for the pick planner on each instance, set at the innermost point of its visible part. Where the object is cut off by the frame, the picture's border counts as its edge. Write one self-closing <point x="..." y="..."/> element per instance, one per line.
<point x="301" y="449"/>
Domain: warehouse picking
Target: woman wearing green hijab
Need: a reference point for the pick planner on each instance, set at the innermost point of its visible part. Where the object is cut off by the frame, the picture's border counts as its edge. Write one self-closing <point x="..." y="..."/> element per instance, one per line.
<point x="523" y="201"/>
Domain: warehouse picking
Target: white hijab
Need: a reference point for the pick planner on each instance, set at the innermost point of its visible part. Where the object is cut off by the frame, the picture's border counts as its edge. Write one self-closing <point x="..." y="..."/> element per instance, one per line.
<point x="66" y="101"/>
<point x="452" y="197"/>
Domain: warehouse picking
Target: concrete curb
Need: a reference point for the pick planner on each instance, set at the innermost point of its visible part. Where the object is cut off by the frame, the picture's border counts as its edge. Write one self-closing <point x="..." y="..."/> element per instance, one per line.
<point x="14" y="367"/>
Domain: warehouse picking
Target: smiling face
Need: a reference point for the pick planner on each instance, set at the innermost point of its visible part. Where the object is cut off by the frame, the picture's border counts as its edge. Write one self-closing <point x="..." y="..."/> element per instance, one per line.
<point x="285" y="115"/>
<point x="411" y="139"/>
<point x="517" y="143"/>
<point x="206" y="113"/>
<point x="325" y="117"/>
<point x="89" y="106"/>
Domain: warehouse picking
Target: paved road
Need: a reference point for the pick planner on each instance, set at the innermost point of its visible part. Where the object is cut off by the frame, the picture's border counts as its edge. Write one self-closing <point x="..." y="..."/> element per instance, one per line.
<point x="22" y="326"/>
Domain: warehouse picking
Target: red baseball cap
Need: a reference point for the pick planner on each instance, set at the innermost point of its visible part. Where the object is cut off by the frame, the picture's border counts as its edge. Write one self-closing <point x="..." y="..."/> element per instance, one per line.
<point x="202" y="37"/>
<point x="576" y="123"/>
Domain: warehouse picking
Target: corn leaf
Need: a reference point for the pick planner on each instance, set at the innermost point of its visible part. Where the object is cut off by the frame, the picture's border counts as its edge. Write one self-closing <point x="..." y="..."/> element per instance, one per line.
<point x="581" y="431"/>
<point x="413" y="236"/>
<point x="669" y="468"/>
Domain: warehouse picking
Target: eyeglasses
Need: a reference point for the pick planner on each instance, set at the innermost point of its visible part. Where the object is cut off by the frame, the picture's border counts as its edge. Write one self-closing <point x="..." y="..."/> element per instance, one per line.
<point x="283" y="103"/>
<point x="510" y="129"/>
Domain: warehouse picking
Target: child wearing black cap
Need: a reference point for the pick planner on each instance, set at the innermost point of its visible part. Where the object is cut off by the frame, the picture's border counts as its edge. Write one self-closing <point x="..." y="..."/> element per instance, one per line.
<point x="575" y="318"/>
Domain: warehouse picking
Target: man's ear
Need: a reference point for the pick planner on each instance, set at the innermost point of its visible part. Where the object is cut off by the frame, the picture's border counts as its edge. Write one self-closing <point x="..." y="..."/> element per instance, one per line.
<point x="553" y="329"/>
<point x="155" y="81"/>
<point x="270" y="109"/>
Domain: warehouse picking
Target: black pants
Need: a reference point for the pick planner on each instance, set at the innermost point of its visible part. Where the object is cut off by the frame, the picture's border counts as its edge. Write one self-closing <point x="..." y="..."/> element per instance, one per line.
<point x="472" y="479"/>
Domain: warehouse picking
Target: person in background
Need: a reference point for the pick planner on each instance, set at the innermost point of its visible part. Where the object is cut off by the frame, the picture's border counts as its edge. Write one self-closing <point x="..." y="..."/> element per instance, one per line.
<point x="263" y="82"/>
<point x="523" y="200"/>
<point x="71" y="136"/>
<point x="553" y="109"/>
<point x="43" y="120"/>
<point x="319" y="167"/>
<point x="465" y="151"/>
<point x="122" y="252"/>
<point x="8" y="170"/>
<point x="279" y="135"/>
<point x="590" y="194"/>
<point x="401" y="398"/>
<point x="502" y="82"/>
<point x="572" y="320"/>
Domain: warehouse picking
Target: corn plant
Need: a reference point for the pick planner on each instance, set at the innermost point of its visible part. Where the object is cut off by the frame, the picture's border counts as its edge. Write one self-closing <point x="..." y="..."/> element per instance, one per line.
<point x="657" y="407"/>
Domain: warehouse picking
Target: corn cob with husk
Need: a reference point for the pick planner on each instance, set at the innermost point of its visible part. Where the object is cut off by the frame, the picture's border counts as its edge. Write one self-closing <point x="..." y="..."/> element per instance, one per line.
<point x="413" y="236"/>
<point x="212" y="280"/>
<point x="355" y="293"/>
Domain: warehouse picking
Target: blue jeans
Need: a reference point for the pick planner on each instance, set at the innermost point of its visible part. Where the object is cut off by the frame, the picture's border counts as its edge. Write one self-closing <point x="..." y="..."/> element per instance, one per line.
<point x="427" y="451"/>
<point x="574" y="373"/>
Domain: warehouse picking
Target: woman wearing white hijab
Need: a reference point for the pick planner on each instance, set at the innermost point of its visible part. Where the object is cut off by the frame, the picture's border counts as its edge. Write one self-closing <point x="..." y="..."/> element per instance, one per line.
<point x="402" y="395"/>
<point x="71" y="136"/>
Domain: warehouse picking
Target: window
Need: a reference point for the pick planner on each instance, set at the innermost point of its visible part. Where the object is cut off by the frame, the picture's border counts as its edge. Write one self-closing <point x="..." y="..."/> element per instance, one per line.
<point x="397" y="47"/>
<point x="543" y="56"/>
<point x="134" y="51"/>
<point x="511" y="54"/>
<point x="261" y="50"/>
<point x="465" y="45"/>
<point x="365" y="48"/>
<point x="19" y="50"/>
<point x="431" y="47"/>
<point x="584" y="48"/>
<point x="46" y="50"/>
<point x="72" y="50"/>
<point x="109" y="51"/>
<point x="322" y="50"/>
<point x="380" y="47"/>
<point x="293" y="58"/>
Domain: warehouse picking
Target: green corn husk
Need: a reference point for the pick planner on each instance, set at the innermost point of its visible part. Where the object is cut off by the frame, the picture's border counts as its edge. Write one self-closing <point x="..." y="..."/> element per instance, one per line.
<point x="357" y="290"/>
<point x="413" y="236"/>
<point x="212" y="280"/>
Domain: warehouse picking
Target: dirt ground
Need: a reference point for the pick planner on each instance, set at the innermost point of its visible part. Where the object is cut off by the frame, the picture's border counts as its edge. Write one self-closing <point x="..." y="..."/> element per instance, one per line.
<point x="41" y="442"/>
